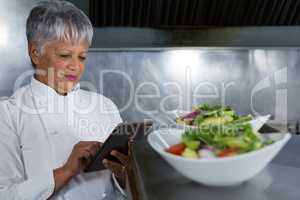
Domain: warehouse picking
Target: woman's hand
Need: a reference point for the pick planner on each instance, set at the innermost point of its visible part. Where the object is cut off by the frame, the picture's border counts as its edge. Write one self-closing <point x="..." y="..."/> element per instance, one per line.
<point x="81" y="155"/>
<point x="119" y="169"/>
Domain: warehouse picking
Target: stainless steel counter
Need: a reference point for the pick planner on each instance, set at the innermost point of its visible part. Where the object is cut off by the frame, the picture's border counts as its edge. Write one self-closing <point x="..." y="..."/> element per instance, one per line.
<point x="158" y="180"/>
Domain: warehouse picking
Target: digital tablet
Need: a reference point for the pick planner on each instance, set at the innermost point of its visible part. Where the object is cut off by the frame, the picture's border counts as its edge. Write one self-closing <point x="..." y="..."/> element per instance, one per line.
<point x="118" y="140"/>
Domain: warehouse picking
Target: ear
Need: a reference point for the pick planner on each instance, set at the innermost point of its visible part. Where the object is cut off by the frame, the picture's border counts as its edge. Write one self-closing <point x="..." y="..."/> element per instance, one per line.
<point x="34" y="53"/>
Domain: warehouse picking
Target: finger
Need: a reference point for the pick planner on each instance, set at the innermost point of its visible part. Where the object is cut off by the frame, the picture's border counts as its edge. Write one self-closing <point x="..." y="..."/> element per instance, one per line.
<point x="91" y="155"/>
<point x="83" y="143"/>
<point x="85" y="154"/>
<point x="85" y="157"/>
<point x="93" y="148"/>
<point x="87" y="143"/>
<point x="120" y="156"/>
<point x="114" y="167"/>
<point x="97" y="144"/>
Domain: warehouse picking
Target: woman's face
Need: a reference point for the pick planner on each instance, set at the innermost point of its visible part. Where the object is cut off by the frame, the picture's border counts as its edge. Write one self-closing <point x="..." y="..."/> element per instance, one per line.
<point x="60" y="64"/>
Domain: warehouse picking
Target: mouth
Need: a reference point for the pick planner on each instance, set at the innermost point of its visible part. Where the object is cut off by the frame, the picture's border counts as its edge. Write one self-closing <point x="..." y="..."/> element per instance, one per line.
<point x="71" y="77"/>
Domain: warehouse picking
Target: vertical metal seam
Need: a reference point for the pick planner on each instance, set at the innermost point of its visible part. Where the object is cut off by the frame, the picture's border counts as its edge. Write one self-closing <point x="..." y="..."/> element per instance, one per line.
<point x="175" y="12"/>
<point x="285" y="11"/>
<point x="294" y="15"/>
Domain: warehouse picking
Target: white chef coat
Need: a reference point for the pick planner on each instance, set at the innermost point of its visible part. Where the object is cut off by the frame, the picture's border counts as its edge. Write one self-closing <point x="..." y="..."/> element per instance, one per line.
<point x="38" y="129"/>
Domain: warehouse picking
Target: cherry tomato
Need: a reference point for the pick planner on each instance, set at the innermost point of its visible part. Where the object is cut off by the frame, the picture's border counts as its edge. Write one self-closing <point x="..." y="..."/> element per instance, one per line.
<point x="176" y="149"/>
<point x="228" y="152"/>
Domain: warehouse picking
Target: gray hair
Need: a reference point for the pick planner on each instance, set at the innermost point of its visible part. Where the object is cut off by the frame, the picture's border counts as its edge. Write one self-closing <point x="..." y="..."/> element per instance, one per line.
<point x="57" y="20"/>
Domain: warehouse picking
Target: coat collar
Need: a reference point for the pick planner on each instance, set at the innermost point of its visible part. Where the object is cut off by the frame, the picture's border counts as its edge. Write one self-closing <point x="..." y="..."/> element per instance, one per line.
<point x="40" y="89"/>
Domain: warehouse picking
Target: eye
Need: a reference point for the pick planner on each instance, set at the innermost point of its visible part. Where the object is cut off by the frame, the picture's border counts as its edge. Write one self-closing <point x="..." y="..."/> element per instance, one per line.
<point x="64" y="55"/>
<point x="82" y="58"/>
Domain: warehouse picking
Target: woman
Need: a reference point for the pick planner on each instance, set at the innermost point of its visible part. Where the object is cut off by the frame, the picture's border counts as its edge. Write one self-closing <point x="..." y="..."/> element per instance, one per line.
<point x="47" y="128"/>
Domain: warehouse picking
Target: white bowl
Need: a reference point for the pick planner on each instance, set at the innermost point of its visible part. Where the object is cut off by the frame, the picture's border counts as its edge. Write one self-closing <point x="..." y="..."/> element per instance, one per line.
<point x="256" y="123"/>
<point x="217" y="171"/>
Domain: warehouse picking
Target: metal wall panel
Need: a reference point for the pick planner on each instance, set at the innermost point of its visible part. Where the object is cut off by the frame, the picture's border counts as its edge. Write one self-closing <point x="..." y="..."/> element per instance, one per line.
<point x="13" y="43"/>
<point x="270" y="75"/>
<point x="255" y="81"/>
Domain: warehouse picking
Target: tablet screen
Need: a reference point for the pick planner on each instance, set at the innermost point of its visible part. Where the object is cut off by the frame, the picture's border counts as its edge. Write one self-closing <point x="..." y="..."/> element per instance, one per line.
<point x="118" y="140"/>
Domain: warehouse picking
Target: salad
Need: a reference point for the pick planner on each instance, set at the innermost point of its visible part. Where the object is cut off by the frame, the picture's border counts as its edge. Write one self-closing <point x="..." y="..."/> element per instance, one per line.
<point x="205" y="114"/>
<point x="219" y="133"/>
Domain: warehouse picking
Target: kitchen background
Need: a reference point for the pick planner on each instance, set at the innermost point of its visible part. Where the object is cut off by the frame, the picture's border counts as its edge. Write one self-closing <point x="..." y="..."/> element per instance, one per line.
<point x="151" y="67"/>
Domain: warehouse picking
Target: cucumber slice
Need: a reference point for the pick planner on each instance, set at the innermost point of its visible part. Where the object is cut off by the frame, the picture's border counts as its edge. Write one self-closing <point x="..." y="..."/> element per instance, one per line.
<point x="188" y="153"/>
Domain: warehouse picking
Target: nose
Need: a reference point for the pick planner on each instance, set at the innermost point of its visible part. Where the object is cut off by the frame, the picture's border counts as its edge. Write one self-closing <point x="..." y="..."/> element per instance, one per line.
<point x="74" y="65"/>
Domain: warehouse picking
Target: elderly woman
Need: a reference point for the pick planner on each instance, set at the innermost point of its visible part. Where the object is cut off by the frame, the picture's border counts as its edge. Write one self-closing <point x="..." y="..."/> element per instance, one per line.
<point x="47" y="128"/>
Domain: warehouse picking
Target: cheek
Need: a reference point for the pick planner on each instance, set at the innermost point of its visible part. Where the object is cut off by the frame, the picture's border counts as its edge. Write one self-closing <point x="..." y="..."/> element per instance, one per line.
<point x="59" y="67"/>
<point x="82" y="67"/>
<point x="60" y="64"/>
